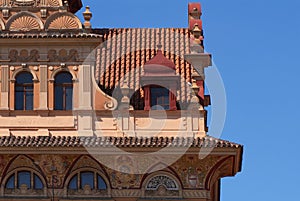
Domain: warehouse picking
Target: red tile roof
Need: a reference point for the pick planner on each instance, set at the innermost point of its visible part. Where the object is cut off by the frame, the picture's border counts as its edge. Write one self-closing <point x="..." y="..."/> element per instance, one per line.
<point x="64" y="141"/>
<point x="126" y="51"/>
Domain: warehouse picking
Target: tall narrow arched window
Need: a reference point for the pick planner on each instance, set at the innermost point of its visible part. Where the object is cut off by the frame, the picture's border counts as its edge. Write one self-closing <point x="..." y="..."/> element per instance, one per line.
<point x="24" y="91"/>
<point x="63" y="91"/>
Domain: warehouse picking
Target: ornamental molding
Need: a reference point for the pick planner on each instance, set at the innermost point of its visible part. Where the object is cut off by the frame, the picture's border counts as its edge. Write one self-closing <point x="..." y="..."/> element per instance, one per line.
<point x="19" y="70"/>
<point x="126" y="193"/>
<point x="30" y="3"/>
<point x="87" y="191"/>
<point x="204" y="194"/>
<point x="61" y="69"/>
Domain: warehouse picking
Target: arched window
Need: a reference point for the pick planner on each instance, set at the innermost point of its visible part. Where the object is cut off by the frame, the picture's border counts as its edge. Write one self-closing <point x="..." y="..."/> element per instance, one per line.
<point x="161" y="180"/>
<point x="24" y="91"/>
<point x="83" y="179"/>
<point x="63" y="91"/>
<point x="87" y="183"/>
<point x="24" y="182"/>
<point x="162" y="186"/>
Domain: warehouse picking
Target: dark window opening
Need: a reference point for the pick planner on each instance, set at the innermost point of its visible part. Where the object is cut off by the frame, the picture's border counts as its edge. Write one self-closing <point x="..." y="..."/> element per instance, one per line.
<point x="94" y="181"/>
<point x="160" y="99"/>
<point x="24" y="91"/>
<point x="21" y="178"/>
<point x="63" y="91"/>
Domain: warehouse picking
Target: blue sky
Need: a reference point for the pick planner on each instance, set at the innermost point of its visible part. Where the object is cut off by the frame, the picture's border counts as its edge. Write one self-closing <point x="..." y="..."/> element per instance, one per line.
<point x="255" y="45"/>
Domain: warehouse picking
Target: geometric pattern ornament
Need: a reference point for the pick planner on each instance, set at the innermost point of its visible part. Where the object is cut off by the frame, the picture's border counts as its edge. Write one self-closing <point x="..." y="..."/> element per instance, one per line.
<point x="24" y="23"/>
<point x="64" y="22"/>
<point x="162" y="180"/>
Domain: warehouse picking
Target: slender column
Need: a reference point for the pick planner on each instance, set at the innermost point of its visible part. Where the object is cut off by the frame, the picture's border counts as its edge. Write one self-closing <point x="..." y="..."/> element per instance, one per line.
<point x="147" y="98"/>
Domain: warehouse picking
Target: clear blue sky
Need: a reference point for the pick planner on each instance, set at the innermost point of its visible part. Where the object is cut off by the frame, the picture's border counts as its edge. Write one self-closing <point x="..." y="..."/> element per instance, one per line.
<point x="255" y="45"/>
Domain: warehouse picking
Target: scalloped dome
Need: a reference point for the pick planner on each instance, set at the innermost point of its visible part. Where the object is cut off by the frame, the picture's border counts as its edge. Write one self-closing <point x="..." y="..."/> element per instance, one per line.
<point x="64" y="22"/>
<point x="24" y="23"/>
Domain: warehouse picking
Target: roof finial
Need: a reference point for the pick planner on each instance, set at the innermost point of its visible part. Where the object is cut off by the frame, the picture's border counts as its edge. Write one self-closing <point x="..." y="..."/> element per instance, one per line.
<point x="87" y="17"/>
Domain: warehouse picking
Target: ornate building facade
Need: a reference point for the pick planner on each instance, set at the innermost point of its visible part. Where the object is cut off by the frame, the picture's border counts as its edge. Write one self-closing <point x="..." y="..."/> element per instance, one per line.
<point x="104" y="114"/>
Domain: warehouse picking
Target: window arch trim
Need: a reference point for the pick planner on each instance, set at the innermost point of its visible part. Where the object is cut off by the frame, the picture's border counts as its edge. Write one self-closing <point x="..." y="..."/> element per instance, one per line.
<point x="60" y="70"/>
<point x="24" y="169"/>
<point x="21" y="70"/>
<point x="95" y="171"/>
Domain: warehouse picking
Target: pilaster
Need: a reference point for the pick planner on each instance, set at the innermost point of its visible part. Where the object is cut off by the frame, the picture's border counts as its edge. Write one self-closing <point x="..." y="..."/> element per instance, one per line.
<point x="43" y="88"/>
<point x="4" y="87"/>
<point x="84" y="110"/>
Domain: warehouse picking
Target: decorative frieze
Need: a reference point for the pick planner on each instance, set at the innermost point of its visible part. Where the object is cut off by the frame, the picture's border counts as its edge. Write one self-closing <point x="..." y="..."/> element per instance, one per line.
<point x="31" y="3"/>
<point x="23" y="55"/>
<point x="63" y="55"/>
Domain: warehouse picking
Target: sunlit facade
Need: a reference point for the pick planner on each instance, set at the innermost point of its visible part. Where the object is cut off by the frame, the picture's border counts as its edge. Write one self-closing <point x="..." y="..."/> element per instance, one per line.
<point x="104" y="114"/>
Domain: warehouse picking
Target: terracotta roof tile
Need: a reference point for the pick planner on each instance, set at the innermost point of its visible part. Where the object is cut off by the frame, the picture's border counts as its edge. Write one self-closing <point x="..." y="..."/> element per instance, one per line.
<point x="68" y="141"/>
<point x="126" y="50"/>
